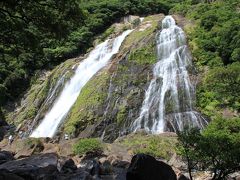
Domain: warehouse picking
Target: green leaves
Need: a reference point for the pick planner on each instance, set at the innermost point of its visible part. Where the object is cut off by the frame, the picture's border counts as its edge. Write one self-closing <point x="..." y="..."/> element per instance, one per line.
<point x="220" y="89"/>
<point x="27" y="27"/>
<point x="216" y="148"/>
<point x="217" y="32"/>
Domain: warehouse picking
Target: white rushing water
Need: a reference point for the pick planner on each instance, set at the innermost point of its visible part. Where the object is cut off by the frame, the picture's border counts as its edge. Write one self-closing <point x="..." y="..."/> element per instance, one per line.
<point x="168" y="103"/>
<point x="96" y="60"/>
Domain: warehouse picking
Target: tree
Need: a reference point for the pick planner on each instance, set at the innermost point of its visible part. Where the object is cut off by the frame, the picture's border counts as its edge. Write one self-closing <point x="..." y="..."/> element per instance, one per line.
<point x="216" y="148"/>
<point x="187" y="145"/>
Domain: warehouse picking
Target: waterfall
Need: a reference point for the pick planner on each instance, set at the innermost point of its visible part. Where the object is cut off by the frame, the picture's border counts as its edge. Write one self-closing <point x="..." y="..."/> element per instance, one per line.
<point x="169" y="99"/>
<point x="97" y="59"/>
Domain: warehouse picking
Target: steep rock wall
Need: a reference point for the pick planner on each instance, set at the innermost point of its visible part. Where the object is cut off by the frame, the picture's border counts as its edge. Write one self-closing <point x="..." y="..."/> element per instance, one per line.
<point x="40" y="96"/>
<point x="113" y="98"/>
<point x="46" y="86"/>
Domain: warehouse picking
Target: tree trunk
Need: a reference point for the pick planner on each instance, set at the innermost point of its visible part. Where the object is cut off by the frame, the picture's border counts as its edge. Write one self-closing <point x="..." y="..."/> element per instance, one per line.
<point x="189" y="168"/>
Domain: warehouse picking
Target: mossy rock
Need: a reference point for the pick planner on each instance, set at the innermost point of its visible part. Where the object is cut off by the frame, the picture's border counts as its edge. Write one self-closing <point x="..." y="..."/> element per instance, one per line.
<point x="144" y="55"/>
<point x="41" y="87"/>
<point x="29" y="145"/>
<point x="122" y="114"/>
<point x="91" y="98"/>
<point x="148" y="27"/>
<point x="158" y="146"/>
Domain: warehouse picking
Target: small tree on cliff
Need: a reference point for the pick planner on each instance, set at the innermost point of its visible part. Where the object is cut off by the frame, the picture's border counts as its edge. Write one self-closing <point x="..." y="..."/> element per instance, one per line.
<point x="217" y="148"/>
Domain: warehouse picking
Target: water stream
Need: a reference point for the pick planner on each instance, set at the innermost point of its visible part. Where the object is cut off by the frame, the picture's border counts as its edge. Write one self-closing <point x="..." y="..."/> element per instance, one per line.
<point x="169" y="99"/>
<point x="97" y="59"/>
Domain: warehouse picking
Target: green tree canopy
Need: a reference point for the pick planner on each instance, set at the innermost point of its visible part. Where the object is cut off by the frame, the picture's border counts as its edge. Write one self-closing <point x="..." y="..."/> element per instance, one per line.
<point x="216" y="148"/>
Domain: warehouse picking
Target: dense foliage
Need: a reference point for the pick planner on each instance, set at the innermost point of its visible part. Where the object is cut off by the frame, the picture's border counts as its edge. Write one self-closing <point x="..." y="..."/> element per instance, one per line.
<point x="34" y="34"/>
<point x="220" y="89"/>
<point x="217" y="148"/>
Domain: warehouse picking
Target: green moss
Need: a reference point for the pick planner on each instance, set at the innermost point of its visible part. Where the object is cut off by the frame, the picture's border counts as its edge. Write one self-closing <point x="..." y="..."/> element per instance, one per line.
<point x="122" y="114"/>
<point x="93" y="95"/>
<point x="154" y="145"/>
<point x="107" y="33"/>
<point x="123" y="76"/>
<point x="144" y="55"/>
<point x="38" y="93"/>
<point x="142" y="41"/>
<point x="85" y="146"/>
<point x="30" y="143"/>
<point x="150" y="24"/>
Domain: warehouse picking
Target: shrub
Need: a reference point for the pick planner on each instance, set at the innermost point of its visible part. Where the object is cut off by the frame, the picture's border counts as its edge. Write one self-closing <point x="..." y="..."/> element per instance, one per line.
<point x="86" y="146"/>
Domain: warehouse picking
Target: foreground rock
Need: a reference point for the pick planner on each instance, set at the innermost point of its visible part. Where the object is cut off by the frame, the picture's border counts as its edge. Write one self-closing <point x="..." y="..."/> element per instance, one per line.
<point x="34" y="167"/>
<point x="145" y="167"/>
<point x="5" y="156"/>
<point x="52" y="167"/>
<point x="43" y="167"/>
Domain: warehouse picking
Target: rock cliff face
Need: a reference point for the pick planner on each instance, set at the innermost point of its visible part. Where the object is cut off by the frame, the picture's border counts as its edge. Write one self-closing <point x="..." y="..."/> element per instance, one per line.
<point x="112" y="99"/>
<point x="40" y="96"/>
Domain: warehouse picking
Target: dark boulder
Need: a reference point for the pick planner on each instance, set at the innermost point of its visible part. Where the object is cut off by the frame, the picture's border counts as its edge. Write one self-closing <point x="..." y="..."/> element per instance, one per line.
<point x="34" y="167"/>
<point x="182" y="177"/>
<point x="67" y="166"/>
<point x="92" y="166"/>
<point x="5" y="175"/>
<point x="5" y="156"/>
<point x="145" y="167"/>
<point x="79" y="175"/>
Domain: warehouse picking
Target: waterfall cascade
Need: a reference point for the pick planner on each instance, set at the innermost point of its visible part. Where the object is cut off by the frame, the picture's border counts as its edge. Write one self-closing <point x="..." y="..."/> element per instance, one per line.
<point x="169" y="99"/>
<point x="96" y="60"/>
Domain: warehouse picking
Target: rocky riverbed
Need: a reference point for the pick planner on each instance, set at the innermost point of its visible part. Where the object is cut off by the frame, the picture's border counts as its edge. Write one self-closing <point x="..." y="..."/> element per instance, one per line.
<point x="47" y="159"/>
